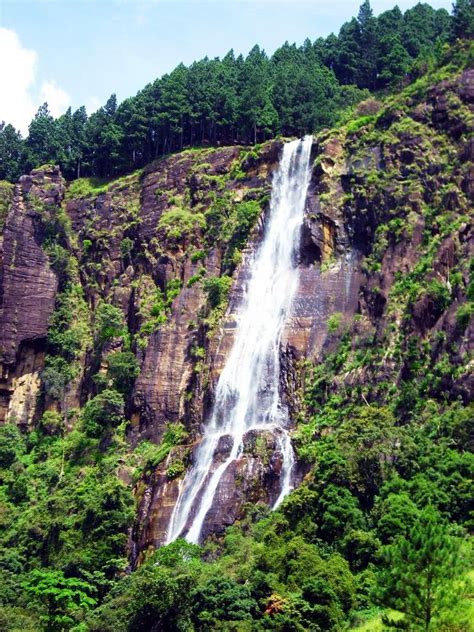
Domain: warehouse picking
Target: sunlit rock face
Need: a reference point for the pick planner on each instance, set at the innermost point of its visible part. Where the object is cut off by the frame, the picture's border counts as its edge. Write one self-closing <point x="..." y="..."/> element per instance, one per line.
<point x="363" y="227"/>
<point x="28" y="288"/>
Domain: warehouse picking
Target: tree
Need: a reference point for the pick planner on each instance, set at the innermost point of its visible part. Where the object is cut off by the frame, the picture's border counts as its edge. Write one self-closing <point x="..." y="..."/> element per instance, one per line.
<point x="463" y="19"/>
<point x="72" y="129"/>
<point x="65" y="598"/>
<point x="11" y="153"/>
<point x="394" y="61"/>
<point x="104" y="138"/>
<point x="420" y="569"/>
<point x="109" y="321"/>
<point x="43" y="143"/>
<point x="123" y="368"/>
<point x="368" y="43"/>
<point x="222" y="599"/>
<point x="102" y="412"/>
<point x="347" y="52"/>
<point x="258" y="117"/>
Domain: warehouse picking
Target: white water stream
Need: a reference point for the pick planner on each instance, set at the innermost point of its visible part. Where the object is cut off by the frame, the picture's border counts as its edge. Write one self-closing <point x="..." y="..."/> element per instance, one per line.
<point x="247" y="392"/>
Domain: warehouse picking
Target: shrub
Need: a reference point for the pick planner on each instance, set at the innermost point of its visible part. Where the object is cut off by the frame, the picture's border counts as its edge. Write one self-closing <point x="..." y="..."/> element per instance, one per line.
<point x="109" y="321"/>
<point x="102" y="412"/>
<point x="179" y="223"/>
<point x="440" y="294"/>
<point x="126" y="246"/>
<point x="69" y="328"/>
<point x="217" y="289"/>
<point x="334" y="322"/>
<point x="56" y="375"/>
<point x="357" y="124"/>
<point x="51" y="422"/>
<point x="85" y="187"/>
<point x="464" y="314"/>
<point x="11" y="444"/>
<point x="123" y="369"/>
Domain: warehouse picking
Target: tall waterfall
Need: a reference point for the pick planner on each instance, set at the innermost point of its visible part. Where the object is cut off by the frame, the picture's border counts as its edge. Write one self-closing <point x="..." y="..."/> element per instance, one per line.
<point x="247" y="393"/>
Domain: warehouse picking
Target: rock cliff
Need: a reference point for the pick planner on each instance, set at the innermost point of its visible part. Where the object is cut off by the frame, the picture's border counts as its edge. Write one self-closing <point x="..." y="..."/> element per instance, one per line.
<point x="384" y="258"/>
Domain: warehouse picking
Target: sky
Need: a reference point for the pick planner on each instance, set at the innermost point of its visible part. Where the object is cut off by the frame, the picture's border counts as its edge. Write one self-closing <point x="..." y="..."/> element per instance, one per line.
<point x="79" y="52"/>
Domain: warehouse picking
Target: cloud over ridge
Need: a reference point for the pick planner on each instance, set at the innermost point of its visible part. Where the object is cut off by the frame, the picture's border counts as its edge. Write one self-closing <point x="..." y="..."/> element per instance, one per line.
<point x="21" y="96"/>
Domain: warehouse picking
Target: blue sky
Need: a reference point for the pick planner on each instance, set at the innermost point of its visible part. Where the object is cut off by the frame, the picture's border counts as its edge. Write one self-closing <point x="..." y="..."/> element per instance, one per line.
<point x="75" y="52"/>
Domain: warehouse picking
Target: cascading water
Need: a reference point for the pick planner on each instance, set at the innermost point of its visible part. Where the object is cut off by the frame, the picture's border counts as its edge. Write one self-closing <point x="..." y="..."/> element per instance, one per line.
<point x="247" y="392"/>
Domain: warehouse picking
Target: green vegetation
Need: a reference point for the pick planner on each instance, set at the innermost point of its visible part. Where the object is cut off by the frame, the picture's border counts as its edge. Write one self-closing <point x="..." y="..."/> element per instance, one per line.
<point x="299" y="89"/>
<point x="154" y="306"/>
<point x="217" y="289"/>
<point x="422" y="574"/>
<point x="376" y="535"/>
<point x="334" y="322"/>
<point x="64" y="525"/>
<point x="6" y="196"/>
<point x="85" y="187"/>
<point x="122" y="369"/>
<point x="149" y="455"/>
<point x="181" y="223"/>
<point x="109" y="322"/>
<point x="102" y="412"/>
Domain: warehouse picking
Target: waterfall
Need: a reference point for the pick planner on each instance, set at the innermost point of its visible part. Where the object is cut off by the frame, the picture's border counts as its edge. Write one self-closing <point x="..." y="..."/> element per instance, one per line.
<point x="247" y="393"/>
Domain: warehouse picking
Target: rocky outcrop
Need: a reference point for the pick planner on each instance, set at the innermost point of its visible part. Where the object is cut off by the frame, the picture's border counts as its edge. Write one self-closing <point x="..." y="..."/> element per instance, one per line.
<point x="27" y="289"/>
<point x="383" y="260"/>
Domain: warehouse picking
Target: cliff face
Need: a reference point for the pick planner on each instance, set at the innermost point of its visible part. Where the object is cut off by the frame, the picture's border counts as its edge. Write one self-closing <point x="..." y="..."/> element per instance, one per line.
<point x="28" y="289"/>
<point x="384" y="256"/>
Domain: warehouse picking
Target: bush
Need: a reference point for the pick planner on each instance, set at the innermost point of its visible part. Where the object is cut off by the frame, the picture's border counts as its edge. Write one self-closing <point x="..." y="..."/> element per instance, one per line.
<point x="179" y="223"/>
<point x="109" y="321"/>
<point x="123" y="369"/>
<point x="217" y="289"/>
<point x="11" y="444"/>
<point x="69" y="327"/>
<point x="51" y="422"/>
<point x="464" y="314"/>
<point x="56" y="375"/>
<point x="440" y="294"/>
<point x="334" y="322"/>
<point x="102" y="412"/>
<point x="126" y="247"/>
<point x="222" y="599"/>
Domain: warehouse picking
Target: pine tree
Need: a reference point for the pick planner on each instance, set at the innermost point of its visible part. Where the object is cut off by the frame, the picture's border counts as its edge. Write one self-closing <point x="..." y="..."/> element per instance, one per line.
<point x="368" y="44"/>
<point x="419" y="573"/>
<point x="11" y="153"/>
<point x="44" y="141"/>
<point x="394" y="60"/>
<point x="463" y="19"/>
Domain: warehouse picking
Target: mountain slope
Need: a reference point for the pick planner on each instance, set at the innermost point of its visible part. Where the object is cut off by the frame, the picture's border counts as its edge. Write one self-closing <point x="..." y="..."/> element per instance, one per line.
<point x="114" y="330"/>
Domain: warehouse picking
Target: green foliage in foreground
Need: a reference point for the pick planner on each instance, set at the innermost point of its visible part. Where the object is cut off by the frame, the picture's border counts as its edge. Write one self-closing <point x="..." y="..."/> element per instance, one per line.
<point x="64" y="516"/>
<point x="422" y="575"/>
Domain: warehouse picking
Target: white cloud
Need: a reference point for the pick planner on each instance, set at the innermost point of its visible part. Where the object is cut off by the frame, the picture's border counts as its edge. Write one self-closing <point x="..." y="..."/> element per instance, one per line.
<point x="58" y="100"/>
<point x="21" y="96"/>
<point x="92" y="105"/>
<point x="17" y="76"/>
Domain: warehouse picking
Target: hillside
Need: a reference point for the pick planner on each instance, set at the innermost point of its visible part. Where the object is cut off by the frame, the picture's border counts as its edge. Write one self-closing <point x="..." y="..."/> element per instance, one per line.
<point x="297" y="90"/>
<point x="118" y="311"/>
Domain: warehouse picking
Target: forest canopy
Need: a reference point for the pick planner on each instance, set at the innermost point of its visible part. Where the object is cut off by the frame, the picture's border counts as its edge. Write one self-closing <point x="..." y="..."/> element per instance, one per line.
<point x="237" y="99"/>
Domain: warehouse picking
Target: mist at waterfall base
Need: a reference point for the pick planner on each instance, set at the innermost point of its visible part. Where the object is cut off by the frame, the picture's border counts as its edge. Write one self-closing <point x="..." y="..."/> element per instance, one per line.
<point x="247" y="393"/>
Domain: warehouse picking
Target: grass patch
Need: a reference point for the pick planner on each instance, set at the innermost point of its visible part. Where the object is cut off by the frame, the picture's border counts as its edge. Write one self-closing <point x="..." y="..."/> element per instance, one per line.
<point x="6" y="196"/>
<point x="87" y="187"/>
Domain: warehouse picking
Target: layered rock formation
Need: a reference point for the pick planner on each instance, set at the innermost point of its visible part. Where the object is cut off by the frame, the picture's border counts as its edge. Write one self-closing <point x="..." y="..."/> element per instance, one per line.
<point x="28" y="289"/>
<point x="147" y="243"/>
